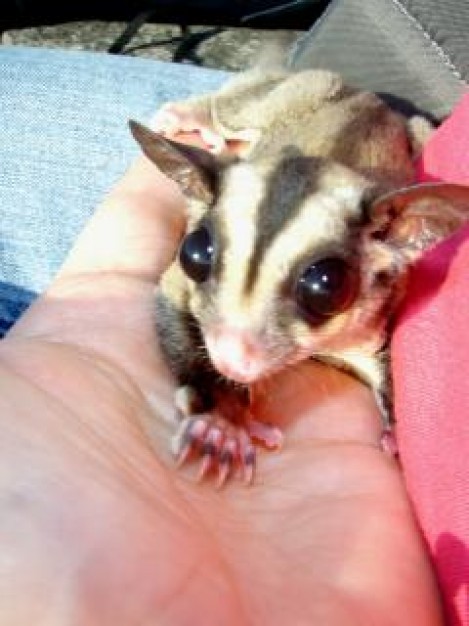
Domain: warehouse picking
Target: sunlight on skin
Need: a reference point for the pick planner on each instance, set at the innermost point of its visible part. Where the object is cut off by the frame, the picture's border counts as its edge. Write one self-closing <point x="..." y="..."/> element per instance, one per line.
<point x="97" y="525"/>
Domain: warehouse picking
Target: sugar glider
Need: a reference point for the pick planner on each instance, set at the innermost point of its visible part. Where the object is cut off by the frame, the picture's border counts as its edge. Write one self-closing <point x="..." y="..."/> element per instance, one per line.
<point x="301" y="226"/>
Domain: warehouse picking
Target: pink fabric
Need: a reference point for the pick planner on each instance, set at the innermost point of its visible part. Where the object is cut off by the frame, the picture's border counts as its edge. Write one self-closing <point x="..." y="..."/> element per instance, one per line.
<point x="430" y="351"/>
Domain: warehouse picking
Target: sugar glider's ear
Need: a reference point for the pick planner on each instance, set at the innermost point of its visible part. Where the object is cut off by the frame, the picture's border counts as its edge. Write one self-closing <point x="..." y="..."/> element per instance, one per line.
<point x="193" y="169"/>
<point x="415" y="218"/>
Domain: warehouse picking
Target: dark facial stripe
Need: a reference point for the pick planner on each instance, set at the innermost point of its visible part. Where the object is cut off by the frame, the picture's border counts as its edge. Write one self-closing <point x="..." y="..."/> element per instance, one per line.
<point x="290" y="182"/>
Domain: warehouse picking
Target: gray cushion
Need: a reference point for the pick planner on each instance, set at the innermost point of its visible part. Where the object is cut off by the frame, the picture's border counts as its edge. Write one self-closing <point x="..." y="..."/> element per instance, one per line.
<point x="415" y="50"/>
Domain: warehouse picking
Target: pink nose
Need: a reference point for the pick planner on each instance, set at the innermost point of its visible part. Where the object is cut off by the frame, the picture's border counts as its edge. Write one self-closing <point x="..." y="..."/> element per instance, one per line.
<point x="237" y="354"/>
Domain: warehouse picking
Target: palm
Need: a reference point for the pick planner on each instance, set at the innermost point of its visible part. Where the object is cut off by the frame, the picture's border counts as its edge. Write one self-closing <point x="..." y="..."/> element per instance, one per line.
<point x="324" y="536"/>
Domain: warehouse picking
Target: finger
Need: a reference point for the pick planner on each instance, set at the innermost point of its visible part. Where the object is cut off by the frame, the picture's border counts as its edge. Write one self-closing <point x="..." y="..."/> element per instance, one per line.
<point x="135" y="229"/>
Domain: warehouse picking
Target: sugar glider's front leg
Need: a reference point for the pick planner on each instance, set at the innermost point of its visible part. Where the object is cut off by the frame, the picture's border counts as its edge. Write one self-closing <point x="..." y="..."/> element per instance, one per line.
<point x="199" y="119"/>
<point x="193" y="116"/>
<point x="215" y="422"/>
<point x="227" y="121"/>
<point x="222" y="435"/>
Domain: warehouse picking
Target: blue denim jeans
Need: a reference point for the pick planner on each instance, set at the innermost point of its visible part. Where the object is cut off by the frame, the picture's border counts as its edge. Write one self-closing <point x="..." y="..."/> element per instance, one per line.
<point x="65" y="141"/>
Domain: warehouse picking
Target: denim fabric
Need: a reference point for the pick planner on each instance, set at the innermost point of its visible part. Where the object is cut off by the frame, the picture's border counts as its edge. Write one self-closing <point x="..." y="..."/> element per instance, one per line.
<point x="65" y="141"/>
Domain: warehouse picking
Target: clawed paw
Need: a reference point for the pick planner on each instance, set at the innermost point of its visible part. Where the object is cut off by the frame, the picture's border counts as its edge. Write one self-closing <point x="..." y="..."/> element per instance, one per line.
<point x="175" y="119"/>
<point x="223" y="448"/>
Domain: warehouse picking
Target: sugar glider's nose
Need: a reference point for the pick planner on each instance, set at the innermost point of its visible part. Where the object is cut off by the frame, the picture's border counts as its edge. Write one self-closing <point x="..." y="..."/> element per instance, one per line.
<point x="237" y="353"/>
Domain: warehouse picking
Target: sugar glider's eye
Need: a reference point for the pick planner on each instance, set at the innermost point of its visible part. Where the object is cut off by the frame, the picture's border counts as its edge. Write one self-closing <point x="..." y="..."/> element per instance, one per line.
<point x="325" y="288"/>
<point x="196" y="254"/>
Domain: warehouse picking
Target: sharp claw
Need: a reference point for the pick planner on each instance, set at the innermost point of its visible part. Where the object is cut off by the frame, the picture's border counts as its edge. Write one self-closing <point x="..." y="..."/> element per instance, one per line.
<point x="249" y="462"/>
<point x="226" y="461"/>
<point x="223" y="472"/>
<point x="247" y="453"/>
<point x="191" y="431"/>
<point x="205" y="466"/>
<point x="184" y="454"/>
<point x="210" y="449"/>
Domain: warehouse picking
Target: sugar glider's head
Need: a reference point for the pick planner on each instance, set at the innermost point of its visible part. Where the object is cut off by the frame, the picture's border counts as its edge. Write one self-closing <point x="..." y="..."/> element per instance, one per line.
<point x="273" y="265"/>
<point x="287" y="257"/>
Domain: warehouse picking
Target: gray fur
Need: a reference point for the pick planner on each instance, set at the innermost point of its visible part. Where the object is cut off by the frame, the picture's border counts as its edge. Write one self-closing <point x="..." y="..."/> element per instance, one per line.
<point x="314" y="139"/>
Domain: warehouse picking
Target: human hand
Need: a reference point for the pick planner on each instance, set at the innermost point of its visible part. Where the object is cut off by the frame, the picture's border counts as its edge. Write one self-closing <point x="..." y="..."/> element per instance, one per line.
<point x="97" y="525"/>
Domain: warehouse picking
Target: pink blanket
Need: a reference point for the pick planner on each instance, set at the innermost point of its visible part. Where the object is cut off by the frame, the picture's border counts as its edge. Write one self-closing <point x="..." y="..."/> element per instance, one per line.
<point x="430" y="351"/>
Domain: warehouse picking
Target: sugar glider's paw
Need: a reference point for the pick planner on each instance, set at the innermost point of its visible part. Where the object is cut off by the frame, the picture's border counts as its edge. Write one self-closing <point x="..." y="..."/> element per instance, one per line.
<point x="223" y="448"/>
<point x="220" y="447"/>
<point x="389" y="442"/>
<point x="177" y="118"/>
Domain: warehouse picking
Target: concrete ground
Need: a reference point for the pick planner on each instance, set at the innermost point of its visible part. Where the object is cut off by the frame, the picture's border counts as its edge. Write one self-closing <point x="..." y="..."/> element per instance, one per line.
<point x="232" y="48"/>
